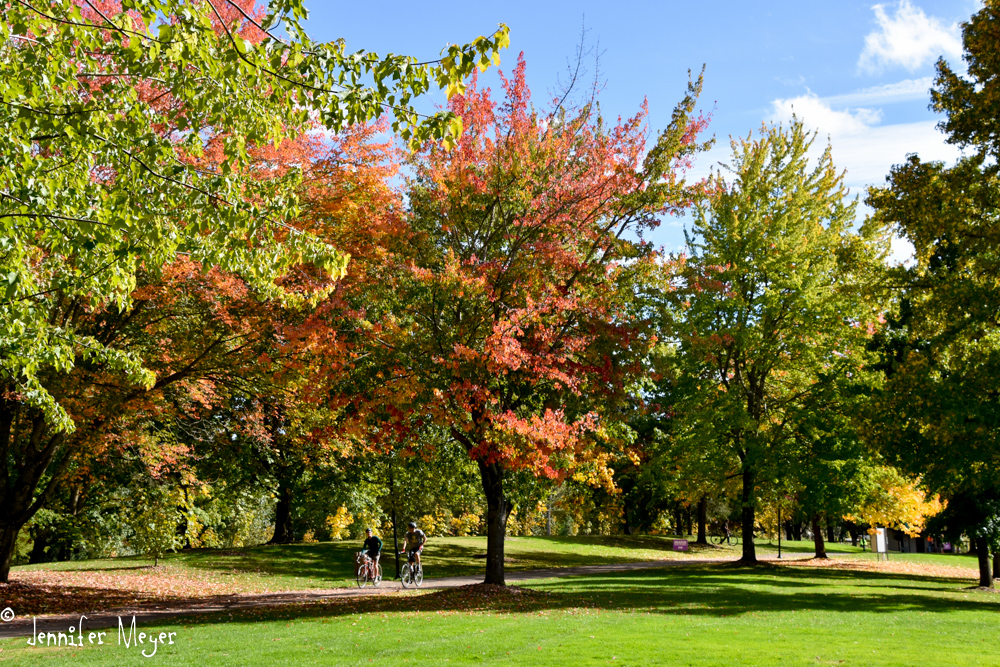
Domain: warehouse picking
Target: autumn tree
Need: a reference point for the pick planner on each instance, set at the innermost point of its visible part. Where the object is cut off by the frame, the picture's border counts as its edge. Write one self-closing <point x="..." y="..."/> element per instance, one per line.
<point x="938" y="416"/>
<point x="768" y="306"/>
<point x="108" y="111"/>
<point x="503" y="320"/>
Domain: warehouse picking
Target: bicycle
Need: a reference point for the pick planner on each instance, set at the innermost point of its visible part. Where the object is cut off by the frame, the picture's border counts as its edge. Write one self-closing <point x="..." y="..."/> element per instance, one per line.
<point x="369" y="571"/>
<point x="719" y="540"/>
<point x="411" y="574"/>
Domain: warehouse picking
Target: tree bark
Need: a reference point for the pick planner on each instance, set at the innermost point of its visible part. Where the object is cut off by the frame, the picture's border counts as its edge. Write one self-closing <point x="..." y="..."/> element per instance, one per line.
<point x="283" y="515"/>
<point x="497" y="510"/>
<point x="788" y="531"/>
<point x="702" y="520"/>
<point x="678" y="521"/>
<point x="41" y="542"/>
<point x="748" y="517"/>
<point x="853" y="530"/>
<point x="687" y="515"/>
<point x="996" y="566"/>
<point x="8" y="543"/>
<point x="818" y="537"/>
<point x="797" y="531"/>
<point x="830" y="534"/>
<point x="983" y="553"/>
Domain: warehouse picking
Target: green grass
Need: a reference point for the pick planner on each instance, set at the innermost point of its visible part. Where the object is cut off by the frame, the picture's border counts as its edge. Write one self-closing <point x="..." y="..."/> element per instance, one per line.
<point x="689" y="615"/>
<point x="798" y="549"/>
<point x="331" y="564"/>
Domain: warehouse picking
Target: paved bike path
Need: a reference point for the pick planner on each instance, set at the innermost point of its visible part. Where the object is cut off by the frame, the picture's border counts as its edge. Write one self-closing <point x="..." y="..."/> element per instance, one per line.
<point x="147" y="614"/>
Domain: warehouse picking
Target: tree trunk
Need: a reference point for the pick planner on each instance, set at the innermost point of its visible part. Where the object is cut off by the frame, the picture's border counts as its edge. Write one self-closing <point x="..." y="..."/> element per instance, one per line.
<point x="748" y="517"/>
<point x="678" y="521"/>
<point x="702" y="520"/>
<point x="788" y="531"/>
<point x="690" y="527"/>
<point x="283" y="515"/>
<point x="497" y="511"/>
<point x="41" y="542"/>
<point x="25" y="458"/>
<point x="996" y="566"/>
<point x="830" y="534"/>
<point x="853" y="530"/>
<point x="8" y="543"/>
<point x="983" y="553"/>
<point x="797" y="531"/>
<point x="818" y="537"/>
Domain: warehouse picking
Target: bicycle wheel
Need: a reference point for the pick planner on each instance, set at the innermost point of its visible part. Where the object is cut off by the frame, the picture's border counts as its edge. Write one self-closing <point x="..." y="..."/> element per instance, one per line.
<point x="418" y="576"/>
<point x="404" y="576"/>
<point x="716" y="539"/>
<point x="362" y="575"/>
<point x="736" y="540"/>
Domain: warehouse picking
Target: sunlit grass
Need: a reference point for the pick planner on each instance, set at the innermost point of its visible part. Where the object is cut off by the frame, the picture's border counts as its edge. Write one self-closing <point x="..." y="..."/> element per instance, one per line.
<point x="687" y="615"/>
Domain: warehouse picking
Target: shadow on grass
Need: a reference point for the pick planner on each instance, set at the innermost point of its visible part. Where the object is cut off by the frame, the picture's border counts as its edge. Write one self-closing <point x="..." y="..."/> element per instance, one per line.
<point x="37" y="599"/>
<point x="698" y="591"/>
<point x="334" y="561"/>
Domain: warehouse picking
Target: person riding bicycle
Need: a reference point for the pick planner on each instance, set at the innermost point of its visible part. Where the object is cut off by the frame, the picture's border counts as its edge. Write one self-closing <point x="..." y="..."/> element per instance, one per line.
<point x="414" y="542"/>
<point x="372" y="546"/>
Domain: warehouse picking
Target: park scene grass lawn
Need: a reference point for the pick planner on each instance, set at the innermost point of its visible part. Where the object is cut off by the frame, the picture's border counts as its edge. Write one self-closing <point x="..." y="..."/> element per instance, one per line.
<point x="795" y="613"/>
<point x="851" y="609"/>
<point x="268" y="568"/>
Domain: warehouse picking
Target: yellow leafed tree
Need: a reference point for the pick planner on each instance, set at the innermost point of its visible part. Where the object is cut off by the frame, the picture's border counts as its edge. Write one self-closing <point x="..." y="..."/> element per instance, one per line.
<point x="896" y="502"/>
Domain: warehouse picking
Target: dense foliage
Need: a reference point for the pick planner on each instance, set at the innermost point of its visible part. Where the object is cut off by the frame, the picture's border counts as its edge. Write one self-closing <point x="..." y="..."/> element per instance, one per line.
<point x="249" y="295"/>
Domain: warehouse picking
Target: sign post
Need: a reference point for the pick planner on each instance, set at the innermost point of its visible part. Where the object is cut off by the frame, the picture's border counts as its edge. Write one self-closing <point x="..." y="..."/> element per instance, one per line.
<point x="881" y="544"/>
<point x="779" y="528"/>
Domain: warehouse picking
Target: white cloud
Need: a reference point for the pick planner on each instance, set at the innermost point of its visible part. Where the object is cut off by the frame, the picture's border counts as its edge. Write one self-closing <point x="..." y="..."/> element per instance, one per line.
<point x="909" y="38"/>
<point x="902" y="91"/>
<point x="864" y="148"/>
<point x="818" y="114"/>
<point x="901" y="251"/>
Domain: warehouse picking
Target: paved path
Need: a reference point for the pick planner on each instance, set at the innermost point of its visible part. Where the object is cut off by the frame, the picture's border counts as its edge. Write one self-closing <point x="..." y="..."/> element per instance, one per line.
<point x="149" y="613"/>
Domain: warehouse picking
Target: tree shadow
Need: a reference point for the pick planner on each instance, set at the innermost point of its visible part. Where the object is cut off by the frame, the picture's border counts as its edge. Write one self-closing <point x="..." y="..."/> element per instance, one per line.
<point x="326" y="562"/>
<point x="36" y="599"/>
<point x="697" y="591"/>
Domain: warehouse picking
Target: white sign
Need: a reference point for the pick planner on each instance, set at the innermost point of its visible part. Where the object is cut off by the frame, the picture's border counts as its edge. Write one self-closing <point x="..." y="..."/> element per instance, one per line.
<point x="881" y="541"/>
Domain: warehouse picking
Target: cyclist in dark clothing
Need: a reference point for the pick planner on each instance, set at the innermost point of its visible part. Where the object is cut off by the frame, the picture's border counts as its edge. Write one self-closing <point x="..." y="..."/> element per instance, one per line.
<point x="373" y="545"/>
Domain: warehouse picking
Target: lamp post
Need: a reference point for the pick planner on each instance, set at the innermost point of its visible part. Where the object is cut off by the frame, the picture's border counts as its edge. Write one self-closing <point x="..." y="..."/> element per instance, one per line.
<point x="779" y="528"/>
<point x="392" y="494"/>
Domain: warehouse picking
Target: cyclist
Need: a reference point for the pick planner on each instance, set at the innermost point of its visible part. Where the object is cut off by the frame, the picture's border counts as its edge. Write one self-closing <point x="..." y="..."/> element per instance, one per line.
<point x="372" y="548"/>
<point x="725" y="531"/>
<point x="414" y="542"/>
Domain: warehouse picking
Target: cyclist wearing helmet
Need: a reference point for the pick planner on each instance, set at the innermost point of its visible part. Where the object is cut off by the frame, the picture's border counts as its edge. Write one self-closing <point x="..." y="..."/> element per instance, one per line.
<point x="414" y="542"/>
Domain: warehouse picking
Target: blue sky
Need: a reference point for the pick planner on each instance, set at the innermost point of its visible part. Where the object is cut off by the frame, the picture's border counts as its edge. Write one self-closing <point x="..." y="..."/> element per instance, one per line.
<point x="857" y="72"/>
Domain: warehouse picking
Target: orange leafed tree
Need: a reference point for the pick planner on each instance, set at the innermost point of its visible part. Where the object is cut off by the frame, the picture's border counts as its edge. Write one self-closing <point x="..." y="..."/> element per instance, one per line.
<point x="506" y="311"/>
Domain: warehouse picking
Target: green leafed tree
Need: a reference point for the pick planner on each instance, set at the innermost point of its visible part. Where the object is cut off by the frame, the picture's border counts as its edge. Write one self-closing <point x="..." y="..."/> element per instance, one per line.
<point x="940" y="413"/>
<point x="767" y="306"/>
<point x="152" y="515"/>
<point x="133" y="133"/>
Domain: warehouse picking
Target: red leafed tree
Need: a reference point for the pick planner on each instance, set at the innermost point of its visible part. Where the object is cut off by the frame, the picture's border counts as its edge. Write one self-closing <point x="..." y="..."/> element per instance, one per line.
<point x="509" y="316"/>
